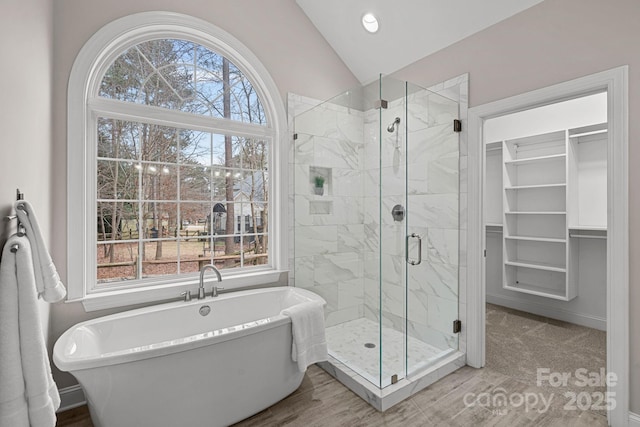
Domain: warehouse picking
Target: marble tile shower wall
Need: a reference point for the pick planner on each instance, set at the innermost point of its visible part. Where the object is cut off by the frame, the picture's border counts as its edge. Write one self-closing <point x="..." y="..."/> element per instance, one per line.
<point x="457" y="88"/>
<point x="328" y="228"/>
<point x="433" y="205"/>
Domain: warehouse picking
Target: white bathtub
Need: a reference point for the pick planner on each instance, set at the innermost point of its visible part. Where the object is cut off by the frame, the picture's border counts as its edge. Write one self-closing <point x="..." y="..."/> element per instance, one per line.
<point x="167" y="365"/>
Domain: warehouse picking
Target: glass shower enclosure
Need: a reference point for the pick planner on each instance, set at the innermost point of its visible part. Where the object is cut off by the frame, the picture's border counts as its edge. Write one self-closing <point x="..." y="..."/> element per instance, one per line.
<point x="376" y="225"/>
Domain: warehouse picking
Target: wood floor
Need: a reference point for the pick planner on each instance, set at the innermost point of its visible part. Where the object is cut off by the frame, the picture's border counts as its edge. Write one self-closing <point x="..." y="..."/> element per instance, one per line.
<point x="464" y="398"/>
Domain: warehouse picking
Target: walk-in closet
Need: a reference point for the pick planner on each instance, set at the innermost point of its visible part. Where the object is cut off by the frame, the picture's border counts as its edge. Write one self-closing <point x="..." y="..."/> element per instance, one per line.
<point x="546" y="210"/>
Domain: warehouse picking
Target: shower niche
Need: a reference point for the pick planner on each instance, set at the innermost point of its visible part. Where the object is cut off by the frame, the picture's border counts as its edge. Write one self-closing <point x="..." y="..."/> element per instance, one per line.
<point x="391" y="285"/>
<point x="320" y="179"/>
<point x="320" y="186"/>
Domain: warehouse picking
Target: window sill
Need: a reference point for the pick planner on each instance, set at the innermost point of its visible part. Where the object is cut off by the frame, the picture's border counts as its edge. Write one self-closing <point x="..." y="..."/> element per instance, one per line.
<point x="162" y="293"/>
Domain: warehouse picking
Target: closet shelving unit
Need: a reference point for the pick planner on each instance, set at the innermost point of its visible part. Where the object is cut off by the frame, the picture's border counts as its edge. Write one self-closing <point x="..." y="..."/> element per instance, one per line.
<point x="535" y="247"/>
<point x="543" y="208"/>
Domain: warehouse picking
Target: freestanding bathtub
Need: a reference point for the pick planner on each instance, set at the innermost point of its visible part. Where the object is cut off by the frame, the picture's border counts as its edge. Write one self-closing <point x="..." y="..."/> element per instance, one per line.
<point x="170" y="365"/>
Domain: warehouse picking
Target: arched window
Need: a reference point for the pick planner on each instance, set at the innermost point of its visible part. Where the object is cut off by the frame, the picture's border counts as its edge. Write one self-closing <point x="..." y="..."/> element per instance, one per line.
<point x="174" y="131"/>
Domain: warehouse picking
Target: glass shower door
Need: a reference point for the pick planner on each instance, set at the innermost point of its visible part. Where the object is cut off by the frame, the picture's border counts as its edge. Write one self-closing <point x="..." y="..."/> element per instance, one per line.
<point x="432" y="227"/>
<point x="419" y="228"/>
<point x="392" y="203"/>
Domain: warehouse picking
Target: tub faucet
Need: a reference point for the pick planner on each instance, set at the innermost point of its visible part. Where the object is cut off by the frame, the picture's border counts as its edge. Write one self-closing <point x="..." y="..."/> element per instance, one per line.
<point x="214" y="291"/>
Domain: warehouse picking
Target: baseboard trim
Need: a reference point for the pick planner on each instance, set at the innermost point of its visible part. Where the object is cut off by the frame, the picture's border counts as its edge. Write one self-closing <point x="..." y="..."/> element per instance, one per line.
<point x="553" y="313"/>
<point x="71" y="397"/>
<point x="634" y="420"/>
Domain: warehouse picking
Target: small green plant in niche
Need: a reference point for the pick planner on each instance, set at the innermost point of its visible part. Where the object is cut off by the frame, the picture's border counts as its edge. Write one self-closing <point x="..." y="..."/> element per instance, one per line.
<point x="319" y="185"/>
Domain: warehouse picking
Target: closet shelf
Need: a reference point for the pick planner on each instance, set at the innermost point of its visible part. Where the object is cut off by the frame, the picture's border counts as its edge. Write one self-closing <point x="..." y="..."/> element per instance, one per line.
<point x="528" y="288"/>
<point x="530" y="187"/>
<point x="539" y="159"/>
<point x="537" y="266"/>
<point x="536" y="213"/>
<point x="536" y="239"/>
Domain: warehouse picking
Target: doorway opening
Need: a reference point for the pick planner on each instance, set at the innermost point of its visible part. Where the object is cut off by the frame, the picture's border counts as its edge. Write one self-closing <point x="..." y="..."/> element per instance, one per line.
<point x="545" y="210"/>
<point x="556" y="284"/>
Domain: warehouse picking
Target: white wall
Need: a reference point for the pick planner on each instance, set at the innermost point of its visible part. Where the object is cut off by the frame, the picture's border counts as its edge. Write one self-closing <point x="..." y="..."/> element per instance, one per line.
<point x="555" y="41"/>
<point x="277" y="32"/>
<point x="26" y="34"/>
<point x="588" y="110"/>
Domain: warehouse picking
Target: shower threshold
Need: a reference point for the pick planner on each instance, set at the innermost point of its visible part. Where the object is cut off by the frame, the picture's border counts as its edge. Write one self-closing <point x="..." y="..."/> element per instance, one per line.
<point x="385" y="398"/>
<point x="354" y="360"/>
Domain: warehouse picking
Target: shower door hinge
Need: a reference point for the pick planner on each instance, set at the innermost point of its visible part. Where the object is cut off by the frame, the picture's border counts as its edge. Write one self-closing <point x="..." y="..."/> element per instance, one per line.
<point x="457" y="326"/>
<point x="457" y="125"/>
<point x="394" y="378"/>
<point x="381" y="103"/>
<point x="485" y="253"/>
<point x="295" y="136"/>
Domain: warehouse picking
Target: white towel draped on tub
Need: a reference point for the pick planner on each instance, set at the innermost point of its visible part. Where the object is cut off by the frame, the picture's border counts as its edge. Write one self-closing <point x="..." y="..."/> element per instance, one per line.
<point x="48" y="283"/>
<point x="309" y="343"/>
<point x="28" y="395"/>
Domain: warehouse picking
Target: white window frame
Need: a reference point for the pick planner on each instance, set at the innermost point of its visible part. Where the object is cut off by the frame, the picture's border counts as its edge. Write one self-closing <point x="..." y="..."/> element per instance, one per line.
<point x="84" y="107"/>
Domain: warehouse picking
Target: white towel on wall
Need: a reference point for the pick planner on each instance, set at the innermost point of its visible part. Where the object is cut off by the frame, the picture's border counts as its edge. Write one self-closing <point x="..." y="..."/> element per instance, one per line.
<point x="309" y="342"/>
<point x="48" y="283"/>
<point x="28" y="395"/>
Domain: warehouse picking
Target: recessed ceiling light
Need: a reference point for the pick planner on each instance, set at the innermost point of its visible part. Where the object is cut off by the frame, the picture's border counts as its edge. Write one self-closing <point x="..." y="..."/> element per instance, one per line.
<point x="370" y="22"/>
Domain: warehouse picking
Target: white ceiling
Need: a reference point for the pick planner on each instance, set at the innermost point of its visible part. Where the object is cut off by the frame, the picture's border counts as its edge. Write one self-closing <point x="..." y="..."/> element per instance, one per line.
<point x="409" y="29"/>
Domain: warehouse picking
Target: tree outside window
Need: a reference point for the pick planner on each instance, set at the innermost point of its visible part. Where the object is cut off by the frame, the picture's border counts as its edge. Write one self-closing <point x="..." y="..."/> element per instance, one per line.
<point x="168" y="195"/>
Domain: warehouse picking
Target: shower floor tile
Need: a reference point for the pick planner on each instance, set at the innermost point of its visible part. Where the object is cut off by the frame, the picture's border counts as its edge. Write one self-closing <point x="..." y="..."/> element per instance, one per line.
<point x="350" y="342"/>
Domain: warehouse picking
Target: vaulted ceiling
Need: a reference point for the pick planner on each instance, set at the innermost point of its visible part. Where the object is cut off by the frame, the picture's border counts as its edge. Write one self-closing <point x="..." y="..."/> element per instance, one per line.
<point x="408" y="29"/>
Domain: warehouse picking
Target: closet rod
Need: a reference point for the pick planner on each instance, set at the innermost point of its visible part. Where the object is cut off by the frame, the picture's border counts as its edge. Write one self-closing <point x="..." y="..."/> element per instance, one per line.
<point x="588" y="236"/>
<point x="595" y="132"/>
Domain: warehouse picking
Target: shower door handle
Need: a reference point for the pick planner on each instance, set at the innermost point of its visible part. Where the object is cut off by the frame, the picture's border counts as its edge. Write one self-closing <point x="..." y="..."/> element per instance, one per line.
<point x="406" y="251"/>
